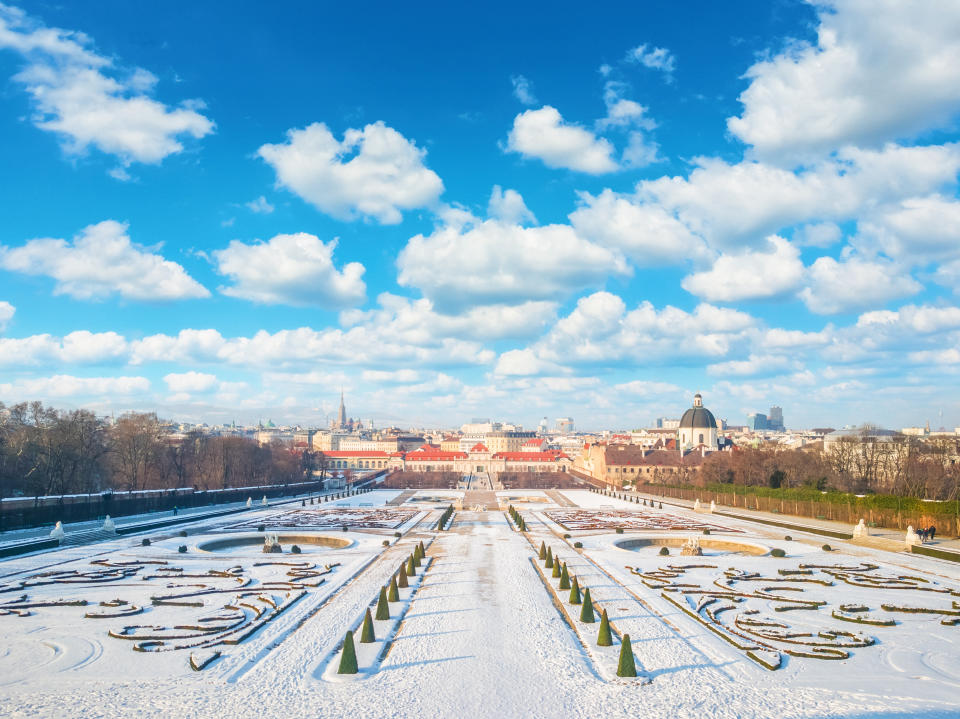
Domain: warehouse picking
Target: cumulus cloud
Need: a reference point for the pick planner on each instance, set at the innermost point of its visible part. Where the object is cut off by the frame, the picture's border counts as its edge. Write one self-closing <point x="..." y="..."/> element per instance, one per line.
<point x="918" y="230"/>
<point x="646" y="233"/>
<point x="102" y="261"/>
<point x="188" y="382"/>
<point x="854" y="284"/>
<point x="419" y="322"/>
<point x="496" y="262"/>
<point x="87" y="102"/>
<point x="373" y="173"/>
<point x="733" y="204"/>
<point x="293" y="269"/>
<point x="754" y="365"/>
<point x="655" y="58"/>
<point x="260" y="206"/>
<point x="80" y="347"/>
<point x="508" y="206"/>
<point x="544" y="135"/>
<point x="750" y="275"/>
<point x="628" y="115"/>
<point x="523" y="90"/>
<point x="62" y="385"/>
<point x="812" y="99"/>
<point x="6" y="314"/>
<point x="600" y="330"/>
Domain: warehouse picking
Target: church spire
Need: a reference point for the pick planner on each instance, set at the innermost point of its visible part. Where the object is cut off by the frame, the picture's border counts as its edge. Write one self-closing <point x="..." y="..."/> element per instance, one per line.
<point x="342" y="415"/>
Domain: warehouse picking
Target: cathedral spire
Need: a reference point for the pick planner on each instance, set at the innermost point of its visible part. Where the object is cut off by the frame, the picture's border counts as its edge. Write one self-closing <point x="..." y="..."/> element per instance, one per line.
<point x="342" y="415"/>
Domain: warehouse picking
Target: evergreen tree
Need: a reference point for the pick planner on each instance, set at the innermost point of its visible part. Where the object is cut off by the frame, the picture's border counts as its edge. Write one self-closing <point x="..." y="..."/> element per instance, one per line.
<point x="402" y="582"/>
<point x="626" y="666"/>
<point x="549" y="563"/>
<point x="604" y="638"/>
<point x="366" y="633"/>
<point x="586" y="613"/>
<point x="564" y="578"/>
<point x="423" y="551"/>
<point x="383" y="609"/>
<point x="543" y="550"/>
<point x="556" y="569"/>
<point x="575" y="592"/>
<point x="411" y="567"/>
<point x="348" y="659"/>
<point x="393" y="595"/>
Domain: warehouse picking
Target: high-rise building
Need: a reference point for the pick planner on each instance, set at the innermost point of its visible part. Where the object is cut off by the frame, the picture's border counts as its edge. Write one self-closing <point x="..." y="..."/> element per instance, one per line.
<point x="757" y="421"/>
<point x="775" y="419"/>
<point x="564" y="424"/>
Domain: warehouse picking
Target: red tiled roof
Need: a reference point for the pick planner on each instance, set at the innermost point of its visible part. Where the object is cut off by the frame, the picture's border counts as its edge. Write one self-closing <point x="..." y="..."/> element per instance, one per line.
<point x="530" y="456"/>
<point x="479" y="447"/>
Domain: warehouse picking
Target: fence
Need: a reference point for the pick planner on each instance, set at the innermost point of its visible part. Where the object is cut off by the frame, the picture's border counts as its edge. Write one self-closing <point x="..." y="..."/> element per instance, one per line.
<point x="851" y="513"/>
<point x="41" y="511"/>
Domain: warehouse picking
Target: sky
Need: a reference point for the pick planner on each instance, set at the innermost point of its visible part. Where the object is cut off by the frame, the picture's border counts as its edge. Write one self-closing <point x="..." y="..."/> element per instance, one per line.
<point x="230" y="211"/>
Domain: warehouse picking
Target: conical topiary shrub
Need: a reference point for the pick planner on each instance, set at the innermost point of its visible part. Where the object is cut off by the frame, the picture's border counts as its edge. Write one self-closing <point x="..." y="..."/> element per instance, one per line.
<point x="383" y="609"/>
<point x="586" y="613"/>
<point x="564" y="578"/>
<point x="626" y="666"/>
<point x="575" y="592"/>
<point x="402" y="582"/>
<point x="543" y="550"/>
<point x="348" y="659"/>
<point x="416" y="556"/>
<point x="423" y="550"/>
<point x="604" y="638"/>
<point x="393" y="595"/>
<point x="549" y="563"/>
<point x="366" y="633"/>
<point x="411" y="567"/>
<point x="556" y="569"/>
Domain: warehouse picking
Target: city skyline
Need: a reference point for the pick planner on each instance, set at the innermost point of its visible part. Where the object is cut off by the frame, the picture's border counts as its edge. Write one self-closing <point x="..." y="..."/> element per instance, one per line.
<point x="595" y="219"/>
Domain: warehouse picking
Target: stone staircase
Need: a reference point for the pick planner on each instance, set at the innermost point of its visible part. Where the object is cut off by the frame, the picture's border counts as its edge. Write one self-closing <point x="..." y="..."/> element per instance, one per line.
<point x="90" y="536"/>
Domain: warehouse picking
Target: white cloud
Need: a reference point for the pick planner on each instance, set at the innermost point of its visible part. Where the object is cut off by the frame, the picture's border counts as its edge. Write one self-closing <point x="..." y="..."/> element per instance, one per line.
<point x="655" y="58"/>
<point x="75" y="98"/>
<point x="645" y="388"/>
<point x="922" y="319"/>
<point x="544" y="135"/>
<point x="880" y="70"/>
<point x="750" y="275"/>
<point x="733" y="204"/>
<point x="629" y="115"/>
<point x="6" y="314"/>
<point x="69" y="386"/>
<point x="418" y="322"/>
<point x="80" y="347"/>
<point x="519" y="362"/>
<point x="102" y="261"/>
<point x="755" y="365"/>
<point x="187" y="382"/>
<point x="260" y="206"/>
<point x="496" y="262"/>
<point x="523" y="90"/>
<point x="818" y="234"/>
<point x="384" y="174"/>
<point x="917" y="230"/>
<point x="854" y="284"/>
<point x="391" y="376"/>
<point x="600" y="330"/>
<point x="508" y="206"/>
<point x="293" y="269"/>
<point x="648" y="234"/>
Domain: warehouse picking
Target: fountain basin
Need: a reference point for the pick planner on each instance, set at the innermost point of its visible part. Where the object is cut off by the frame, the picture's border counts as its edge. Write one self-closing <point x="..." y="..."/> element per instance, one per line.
<point x="711" y="545"/>
<point x="255" y="541"/>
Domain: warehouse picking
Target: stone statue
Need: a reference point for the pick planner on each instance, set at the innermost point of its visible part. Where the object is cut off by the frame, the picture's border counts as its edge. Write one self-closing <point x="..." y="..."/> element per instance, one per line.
<point x="108" y="525"/>
<point x="912" y="538"/>
<point x="249" y="501"/>
<point x="271" y="543"/>
<point x="860" y="530"/>
<point x="696" y="506"/>
<point x="691" y="548"/>
<point x="713" y="506"/>
<point x="58" y="532"/>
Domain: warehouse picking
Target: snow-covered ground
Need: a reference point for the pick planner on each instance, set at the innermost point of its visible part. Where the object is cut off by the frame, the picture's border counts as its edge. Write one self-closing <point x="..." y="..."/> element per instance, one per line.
<point x="483" y="635"/>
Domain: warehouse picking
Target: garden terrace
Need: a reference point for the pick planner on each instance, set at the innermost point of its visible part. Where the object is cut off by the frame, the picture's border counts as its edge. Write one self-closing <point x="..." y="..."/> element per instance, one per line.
<point x="538" y="480"/>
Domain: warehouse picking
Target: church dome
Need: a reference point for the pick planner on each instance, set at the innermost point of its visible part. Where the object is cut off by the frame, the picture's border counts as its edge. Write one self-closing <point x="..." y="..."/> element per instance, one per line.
<point x="698" y="416"/>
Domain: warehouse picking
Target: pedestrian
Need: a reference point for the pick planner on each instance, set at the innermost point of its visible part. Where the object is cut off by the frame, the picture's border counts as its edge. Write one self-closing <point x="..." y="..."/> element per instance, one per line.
<point x="932" y="531"/>
<point x="922" y="533"/>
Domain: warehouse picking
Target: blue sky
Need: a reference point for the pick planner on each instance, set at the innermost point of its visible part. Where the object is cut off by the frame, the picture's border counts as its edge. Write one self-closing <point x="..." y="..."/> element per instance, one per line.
<point x="230" y="211"/>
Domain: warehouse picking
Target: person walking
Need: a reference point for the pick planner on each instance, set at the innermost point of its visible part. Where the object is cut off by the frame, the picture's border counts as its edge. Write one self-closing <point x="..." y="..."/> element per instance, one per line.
<point x="932" y="531"/>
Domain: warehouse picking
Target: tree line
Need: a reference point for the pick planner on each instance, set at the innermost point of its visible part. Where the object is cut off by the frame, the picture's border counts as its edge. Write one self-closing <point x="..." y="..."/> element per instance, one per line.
<point x="46" y="451"/>
<point x="859" y="463"/>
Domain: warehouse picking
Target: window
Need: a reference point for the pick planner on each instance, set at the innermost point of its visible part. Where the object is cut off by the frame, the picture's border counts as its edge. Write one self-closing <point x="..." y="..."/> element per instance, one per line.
<point x="701" y="438"/>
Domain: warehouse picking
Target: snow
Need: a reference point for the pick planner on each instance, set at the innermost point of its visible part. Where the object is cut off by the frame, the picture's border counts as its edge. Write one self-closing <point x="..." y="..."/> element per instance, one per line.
<point x="483" y="635"/>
